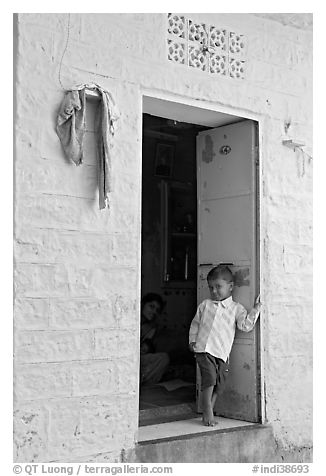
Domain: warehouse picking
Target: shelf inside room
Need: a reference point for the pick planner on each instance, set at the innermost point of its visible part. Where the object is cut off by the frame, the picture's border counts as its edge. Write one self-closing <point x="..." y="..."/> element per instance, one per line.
<point x="179" y="232"/>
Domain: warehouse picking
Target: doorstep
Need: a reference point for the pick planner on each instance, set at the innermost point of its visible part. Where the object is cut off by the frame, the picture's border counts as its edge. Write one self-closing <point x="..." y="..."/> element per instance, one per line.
<point x="186" y="428"/>
<point x="188" y="441"/>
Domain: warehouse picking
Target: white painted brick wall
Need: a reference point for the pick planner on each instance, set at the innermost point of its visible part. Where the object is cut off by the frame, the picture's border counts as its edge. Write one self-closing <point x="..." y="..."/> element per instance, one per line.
<point x="77" y="269"/>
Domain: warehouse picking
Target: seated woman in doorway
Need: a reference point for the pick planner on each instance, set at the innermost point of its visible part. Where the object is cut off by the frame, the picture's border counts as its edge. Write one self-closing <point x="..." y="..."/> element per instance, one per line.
<point x="152" y="364"/>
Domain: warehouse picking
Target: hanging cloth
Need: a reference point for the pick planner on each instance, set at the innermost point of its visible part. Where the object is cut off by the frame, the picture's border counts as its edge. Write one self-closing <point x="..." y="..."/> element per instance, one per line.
<point x="71" y="128"/>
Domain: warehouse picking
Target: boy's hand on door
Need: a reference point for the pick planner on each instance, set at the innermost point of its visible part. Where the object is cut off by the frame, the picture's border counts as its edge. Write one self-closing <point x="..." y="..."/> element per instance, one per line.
<point x="258" y="302"/>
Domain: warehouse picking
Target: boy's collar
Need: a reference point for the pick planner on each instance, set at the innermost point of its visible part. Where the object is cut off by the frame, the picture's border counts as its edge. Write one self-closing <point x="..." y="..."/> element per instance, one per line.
<point x="226" y="302"/>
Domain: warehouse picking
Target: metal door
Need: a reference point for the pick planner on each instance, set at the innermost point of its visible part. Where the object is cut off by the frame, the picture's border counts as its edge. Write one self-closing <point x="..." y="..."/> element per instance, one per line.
<point x="227" y="233"/>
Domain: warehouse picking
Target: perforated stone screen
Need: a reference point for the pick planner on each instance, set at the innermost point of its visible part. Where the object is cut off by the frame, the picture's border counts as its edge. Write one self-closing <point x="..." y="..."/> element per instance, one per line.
<point x="205" y="47"/>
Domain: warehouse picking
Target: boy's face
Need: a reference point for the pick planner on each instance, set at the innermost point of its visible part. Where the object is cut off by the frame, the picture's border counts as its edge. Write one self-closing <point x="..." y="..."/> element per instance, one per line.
<point x="151" y="310"/>
<point x="220" y="289"/>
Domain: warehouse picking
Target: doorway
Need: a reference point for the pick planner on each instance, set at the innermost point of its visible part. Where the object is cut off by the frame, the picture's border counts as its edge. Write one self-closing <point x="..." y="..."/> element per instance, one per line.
<point x="172" y="257"/>
<point x="169" y="257"/>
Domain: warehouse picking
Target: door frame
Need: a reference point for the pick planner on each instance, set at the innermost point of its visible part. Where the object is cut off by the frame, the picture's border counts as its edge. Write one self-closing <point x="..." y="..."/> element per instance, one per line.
<point x="151" y="102"/>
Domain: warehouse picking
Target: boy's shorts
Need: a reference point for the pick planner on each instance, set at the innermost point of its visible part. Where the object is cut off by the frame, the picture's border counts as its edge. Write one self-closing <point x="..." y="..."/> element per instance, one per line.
<point x="213" y="371"/>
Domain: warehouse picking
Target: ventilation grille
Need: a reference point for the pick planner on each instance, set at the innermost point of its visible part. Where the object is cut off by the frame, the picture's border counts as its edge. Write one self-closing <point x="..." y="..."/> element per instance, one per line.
<point x="205" y="47"/>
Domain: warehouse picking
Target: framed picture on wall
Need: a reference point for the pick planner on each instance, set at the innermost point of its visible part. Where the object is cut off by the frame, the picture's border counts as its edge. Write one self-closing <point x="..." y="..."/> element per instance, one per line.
<point x="164" y="159"/>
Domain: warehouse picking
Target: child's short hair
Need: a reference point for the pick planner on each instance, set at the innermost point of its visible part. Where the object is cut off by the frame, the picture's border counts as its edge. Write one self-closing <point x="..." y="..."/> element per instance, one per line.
<point x="221" y="271"/>
<point x="152" y="297"/>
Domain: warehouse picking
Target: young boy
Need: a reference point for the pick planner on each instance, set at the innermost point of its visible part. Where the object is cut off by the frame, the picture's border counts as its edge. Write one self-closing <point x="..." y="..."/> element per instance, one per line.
<point x="212" y="332"/>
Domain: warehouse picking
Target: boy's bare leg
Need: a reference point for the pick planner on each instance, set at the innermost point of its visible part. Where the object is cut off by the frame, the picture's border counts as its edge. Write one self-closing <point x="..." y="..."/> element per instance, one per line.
<point x="208" y="417"/>
<point x="214" y="396"/>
